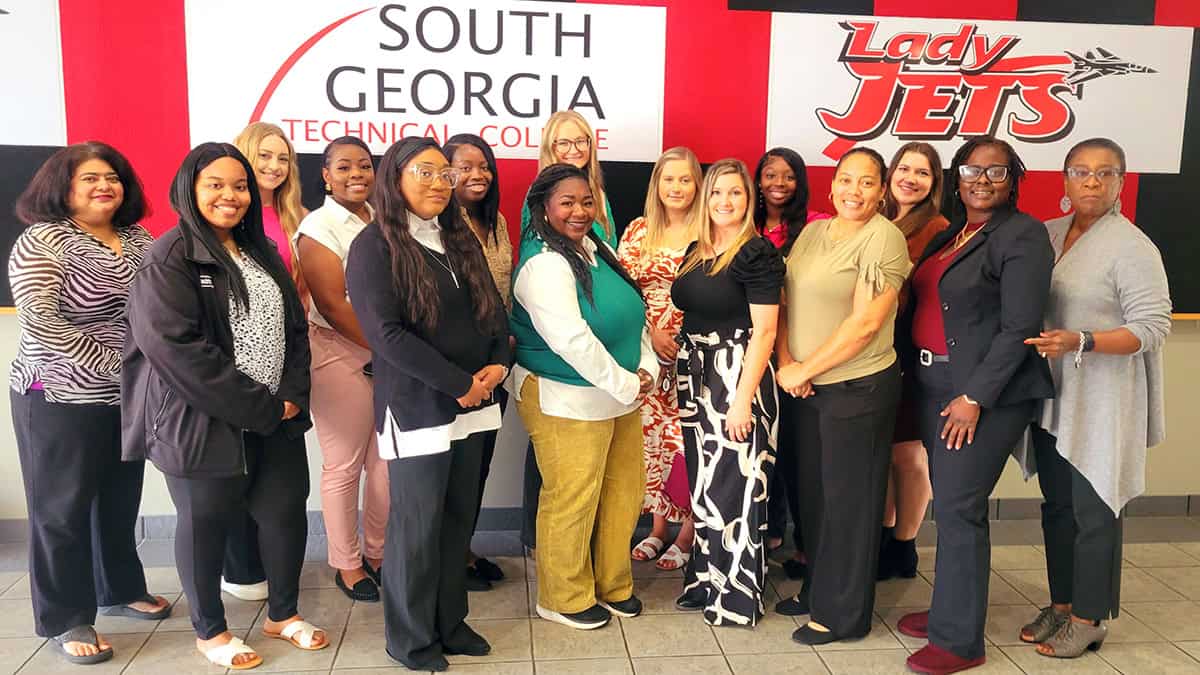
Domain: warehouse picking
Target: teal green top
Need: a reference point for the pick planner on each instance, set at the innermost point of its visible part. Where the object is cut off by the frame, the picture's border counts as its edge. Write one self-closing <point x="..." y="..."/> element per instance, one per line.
<point x="616" y="319"/>
<point x="597" y="226"/>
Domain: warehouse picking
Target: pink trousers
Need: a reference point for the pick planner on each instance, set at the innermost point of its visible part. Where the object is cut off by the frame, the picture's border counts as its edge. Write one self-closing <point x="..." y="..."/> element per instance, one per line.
<point x="344" y="417"/>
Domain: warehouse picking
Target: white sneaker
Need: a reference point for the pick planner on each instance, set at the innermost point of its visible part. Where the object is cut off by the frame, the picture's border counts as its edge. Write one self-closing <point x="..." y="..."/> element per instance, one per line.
<point x="249" y="592"/>
<point x="591" y="618"/>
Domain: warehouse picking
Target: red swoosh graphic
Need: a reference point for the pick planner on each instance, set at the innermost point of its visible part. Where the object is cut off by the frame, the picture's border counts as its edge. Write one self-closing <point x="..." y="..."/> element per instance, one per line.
<point x="291" y="61"/>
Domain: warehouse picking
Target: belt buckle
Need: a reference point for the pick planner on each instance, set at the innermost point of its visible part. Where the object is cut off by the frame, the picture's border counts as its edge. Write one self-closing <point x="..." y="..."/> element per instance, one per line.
<point x="925" y="357"/>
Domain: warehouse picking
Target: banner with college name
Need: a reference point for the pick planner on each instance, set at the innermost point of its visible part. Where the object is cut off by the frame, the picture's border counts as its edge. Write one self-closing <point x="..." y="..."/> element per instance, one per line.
<point x="840" y="81"/>
<point x="321" y="69"/>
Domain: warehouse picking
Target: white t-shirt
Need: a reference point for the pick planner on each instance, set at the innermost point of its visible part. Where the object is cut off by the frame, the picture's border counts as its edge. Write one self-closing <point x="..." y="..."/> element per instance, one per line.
<point x="335" y="228"/>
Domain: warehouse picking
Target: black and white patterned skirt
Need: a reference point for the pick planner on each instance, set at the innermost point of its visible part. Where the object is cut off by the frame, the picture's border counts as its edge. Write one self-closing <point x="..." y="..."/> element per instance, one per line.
<point x="728" y="479"/>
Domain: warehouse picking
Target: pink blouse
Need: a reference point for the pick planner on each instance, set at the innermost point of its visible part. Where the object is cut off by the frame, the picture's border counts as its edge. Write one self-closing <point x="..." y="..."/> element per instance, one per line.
<point x="274" y="229"/>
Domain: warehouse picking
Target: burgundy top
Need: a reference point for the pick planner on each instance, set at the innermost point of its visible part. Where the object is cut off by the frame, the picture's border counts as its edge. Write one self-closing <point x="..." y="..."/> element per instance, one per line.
<point x="928" y="329"/>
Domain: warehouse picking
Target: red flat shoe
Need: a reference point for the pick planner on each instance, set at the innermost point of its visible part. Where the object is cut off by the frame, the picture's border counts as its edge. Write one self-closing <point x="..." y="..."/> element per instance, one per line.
<point x="934" y="660"/>
<point x="915" y="625"/>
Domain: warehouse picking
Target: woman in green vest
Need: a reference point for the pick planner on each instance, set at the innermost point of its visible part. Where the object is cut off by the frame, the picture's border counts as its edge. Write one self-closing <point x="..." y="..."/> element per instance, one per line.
<point x="584" y="364"/>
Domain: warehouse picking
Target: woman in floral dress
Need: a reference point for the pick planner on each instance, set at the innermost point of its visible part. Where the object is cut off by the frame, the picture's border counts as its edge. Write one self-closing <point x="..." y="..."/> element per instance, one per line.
<point x="651" y="250"/>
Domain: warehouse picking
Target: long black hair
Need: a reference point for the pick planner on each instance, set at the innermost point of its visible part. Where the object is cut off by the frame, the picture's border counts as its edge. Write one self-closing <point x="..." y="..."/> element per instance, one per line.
<point x="411" y="271"/>
<point x="248" y="234"/>
<point x="795" y="212"/>
<point x="539" y="193"/>
<point x="489" y="206"/>
<point x="47" y="198"/>
<point x="1016" y="171"/>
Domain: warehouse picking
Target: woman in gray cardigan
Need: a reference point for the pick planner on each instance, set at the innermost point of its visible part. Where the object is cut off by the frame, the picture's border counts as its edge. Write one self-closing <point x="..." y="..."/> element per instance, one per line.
<point x="1107" y="318"/>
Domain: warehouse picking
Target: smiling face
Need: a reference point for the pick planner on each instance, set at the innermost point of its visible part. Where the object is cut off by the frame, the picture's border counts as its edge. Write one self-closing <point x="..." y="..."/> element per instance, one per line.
<point x="96" y="192"/>
<point x="984" y="196"/>
<point x="1093" y="196"/>
<point x="475" y="174"/>
<point x="272" y="164"/>
<point x="728" y="200"/>
<point x="570" y="209"/>
<point x="426" y="201"/>
<point x="778" y="183"/>
<point x="677" y="185"/>
<point x="857" y="187"/>
<point x="912" y="179"/>
<point x="350" y="175"/>
<point x="571" y="144"/>
<point x="223" y="195"/>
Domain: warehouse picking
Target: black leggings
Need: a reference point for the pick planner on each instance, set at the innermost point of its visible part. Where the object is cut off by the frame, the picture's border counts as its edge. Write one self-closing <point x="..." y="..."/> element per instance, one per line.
<point x="273" y="491"/>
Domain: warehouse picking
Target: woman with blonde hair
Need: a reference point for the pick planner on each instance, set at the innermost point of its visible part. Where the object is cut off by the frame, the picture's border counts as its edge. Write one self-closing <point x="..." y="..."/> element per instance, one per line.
<point x="652" y="249"/>
<point x="273" y="158"/>
<point x="567" y="138"/>
<point x="728" y="289"/>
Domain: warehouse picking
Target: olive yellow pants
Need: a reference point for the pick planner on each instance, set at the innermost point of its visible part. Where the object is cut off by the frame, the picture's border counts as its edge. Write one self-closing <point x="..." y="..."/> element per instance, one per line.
<point x="593" y="479"/>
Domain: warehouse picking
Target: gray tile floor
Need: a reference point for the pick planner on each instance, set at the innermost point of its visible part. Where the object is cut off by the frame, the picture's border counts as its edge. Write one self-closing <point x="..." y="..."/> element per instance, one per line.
<point x="1158" y="632"/>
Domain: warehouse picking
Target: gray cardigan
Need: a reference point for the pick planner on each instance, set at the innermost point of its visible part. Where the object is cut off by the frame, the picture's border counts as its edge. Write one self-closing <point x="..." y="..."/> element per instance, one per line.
<point x="1110" y="409"/>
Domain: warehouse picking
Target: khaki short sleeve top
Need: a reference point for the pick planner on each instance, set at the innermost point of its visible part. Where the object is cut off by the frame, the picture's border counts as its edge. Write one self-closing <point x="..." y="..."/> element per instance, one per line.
<point x="822" y="276"/>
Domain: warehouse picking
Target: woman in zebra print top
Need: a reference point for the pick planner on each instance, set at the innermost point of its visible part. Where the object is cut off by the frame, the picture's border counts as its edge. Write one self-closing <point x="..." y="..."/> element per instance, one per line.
<point x="70" y="273"/>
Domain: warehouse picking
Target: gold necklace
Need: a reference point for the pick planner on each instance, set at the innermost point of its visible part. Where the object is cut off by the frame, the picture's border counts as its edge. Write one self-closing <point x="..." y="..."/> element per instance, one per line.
<point x="961" y="240"/>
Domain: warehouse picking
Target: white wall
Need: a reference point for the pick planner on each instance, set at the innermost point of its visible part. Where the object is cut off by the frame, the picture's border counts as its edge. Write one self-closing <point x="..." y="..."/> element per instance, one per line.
<point x="1173" y="467"/>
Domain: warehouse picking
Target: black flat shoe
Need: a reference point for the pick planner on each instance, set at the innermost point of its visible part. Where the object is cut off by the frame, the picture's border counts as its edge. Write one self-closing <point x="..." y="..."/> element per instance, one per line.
<point x="364" y="590"/>
<point x="488" y="570"/>
<point x="692" y="601"/>
<point x="797" y="605"/>
<point x="476" y="583"/>
<point x="466" y="642"/>
<point x="811" y="636"/>
<point x="376" y="573"/>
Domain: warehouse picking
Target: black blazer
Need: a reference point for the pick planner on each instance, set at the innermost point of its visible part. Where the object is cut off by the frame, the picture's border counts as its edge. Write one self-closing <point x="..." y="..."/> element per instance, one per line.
<point x="993" y="297"/>
<point x="184" y="403"/>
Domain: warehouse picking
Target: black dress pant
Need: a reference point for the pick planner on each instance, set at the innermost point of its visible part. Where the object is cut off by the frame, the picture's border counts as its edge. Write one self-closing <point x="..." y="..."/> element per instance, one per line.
<point x="843" y="436"/>
<point x="783" y="496"/>
<point x="273" y="491"/>
<point x="962" y="482"/>
<point x="83" y="503"/>
<point x="531" y="492"/>
<point x="1082" y="536"/>
<point x="489" y="451"/>
<point x="243" y="564"/>
<point x="428" y="533"/>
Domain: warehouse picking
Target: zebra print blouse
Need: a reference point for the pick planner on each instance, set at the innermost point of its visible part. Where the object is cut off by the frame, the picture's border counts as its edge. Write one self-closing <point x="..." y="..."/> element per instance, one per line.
<point x="70" y="292"/>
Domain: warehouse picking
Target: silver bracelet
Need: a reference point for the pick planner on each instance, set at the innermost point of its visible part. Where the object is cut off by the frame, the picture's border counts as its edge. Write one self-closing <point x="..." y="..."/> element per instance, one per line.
<point x="1079" y="351"/>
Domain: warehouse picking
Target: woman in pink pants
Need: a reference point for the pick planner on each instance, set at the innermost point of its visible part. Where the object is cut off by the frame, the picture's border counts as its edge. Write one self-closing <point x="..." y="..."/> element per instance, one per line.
<point x="342" y="407"/>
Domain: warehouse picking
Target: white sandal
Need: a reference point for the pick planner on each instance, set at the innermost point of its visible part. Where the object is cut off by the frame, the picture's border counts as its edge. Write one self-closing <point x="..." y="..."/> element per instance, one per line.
<point x="649" y="547"/>
<point x="674" y="557"/>
<point x="304" y="640"/>
<point x="223" y="656"/>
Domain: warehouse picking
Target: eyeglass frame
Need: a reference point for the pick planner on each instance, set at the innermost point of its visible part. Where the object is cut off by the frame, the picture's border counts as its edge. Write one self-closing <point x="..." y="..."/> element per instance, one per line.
<point x="573" y="144"/>
<point x="1088" y="173"/>
<point x="983" y="171"/>
<point x="454" y="174"/>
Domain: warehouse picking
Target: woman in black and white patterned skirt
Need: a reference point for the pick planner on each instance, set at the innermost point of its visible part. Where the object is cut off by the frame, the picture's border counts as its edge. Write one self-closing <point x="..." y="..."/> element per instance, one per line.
<point x="728" y="289"/>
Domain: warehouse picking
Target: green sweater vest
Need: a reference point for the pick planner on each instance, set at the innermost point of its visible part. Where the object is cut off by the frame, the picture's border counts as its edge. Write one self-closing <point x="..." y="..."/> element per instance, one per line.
<point x="616" y="319"/>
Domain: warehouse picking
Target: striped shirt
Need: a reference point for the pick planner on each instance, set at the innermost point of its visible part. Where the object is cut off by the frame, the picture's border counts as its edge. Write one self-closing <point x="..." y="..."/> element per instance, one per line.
<point x="70" y="292"/>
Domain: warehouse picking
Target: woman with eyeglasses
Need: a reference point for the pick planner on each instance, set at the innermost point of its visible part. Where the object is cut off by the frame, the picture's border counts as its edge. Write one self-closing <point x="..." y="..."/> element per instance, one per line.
<point x="1108" y="317"/>
<point x="978" y="291"/>
<point x="439" y="344"/>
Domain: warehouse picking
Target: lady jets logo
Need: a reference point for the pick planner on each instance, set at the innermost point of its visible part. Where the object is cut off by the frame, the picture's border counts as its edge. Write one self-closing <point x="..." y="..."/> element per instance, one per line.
<point x="924" y="86"/>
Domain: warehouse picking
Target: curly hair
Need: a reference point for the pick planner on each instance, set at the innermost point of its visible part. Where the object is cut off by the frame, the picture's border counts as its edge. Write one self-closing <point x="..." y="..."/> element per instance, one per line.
<point x="539" y="227"/>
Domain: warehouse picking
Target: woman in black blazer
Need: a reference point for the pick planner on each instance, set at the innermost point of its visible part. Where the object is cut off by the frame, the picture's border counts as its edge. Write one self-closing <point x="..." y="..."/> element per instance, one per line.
<point x="977" y="289"/>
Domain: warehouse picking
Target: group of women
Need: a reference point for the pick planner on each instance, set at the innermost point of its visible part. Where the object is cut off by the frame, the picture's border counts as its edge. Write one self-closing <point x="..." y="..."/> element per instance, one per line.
<point x="731" y="360"/>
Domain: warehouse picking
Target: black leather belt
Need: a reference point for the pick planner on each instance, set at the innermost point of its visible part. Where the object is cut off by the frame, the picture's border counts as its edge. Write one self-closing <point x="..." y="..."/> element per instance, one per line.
<point x="928" y="358"/>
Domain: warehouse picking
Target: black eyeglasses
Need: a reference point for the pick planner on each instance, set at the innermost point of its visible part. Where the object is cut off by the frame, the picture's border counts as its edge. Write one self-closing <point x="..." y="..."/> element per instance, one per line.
<point x="563" y="145"/>
<point x="997" y="173"/>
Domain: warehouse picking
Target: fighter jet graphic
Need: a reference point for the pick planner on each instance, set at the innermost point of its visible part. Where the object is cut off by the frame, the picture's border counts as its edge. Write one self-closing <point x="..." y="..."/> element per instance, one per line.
<point x="1098" y="62"/>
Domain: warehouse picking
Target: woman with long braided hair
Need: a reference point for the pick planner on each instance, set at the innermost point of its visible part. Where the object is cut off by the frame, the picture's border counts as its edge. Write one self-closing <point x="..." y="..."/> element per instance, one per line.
<point x="584" y="363"/>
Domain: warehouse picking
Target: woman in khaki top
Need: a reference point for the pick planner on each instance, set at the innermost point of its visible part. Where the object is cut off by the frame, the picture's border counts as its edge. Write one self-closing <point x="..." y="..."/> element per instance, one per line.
<point x="836" y="360"/>
<point x="478" y="191"/>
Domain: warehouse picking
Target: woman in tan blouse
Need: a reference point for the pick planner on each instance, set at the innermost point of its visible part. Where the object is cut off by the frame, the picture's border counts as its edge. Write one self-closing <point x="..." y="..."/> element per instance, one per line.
<point x="478" y="192"/>
<point x="837" y="361"/>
